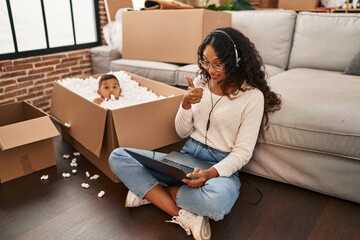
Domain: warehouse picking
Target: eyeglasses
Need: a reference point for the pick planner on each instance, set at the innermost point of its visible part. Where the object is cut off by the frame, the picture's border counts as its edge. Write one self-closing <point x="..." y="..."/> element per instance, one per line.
<point x="218" y="67"/>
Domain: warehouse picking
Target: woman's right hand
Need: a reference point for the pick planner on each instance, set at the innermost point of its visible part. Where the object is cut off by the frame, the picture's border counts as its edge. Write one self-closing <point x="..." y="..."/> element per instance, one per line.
<point x="193" y="95"/>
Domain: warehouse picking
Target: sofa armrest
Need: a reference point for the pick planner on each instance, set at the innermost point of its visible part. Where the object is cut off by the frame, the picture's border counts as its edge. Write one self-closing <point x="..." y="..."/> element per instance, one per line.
<point x="101" y="58"/>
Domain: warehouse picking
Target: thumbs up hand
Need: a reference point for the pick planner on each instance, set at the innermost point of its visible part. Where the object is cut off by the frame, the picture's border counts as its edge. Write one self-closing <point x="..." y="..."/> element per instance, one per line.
<point x="193" y="95"/>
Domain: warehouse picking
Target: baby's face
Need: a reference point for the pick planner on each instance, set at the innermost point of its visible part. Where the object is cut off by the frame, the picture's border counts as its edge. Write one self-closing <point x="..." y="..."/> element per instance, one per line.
<point x="108" y="87"/>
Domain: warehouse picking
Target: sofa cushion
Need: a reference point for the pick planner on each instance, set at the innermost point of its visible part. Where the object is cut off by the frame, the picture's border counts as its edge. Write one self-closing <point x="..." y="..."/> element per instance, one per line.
<point x="272" y="70"/>
<point x="325" y="41"/>
<point x="159" y="71"/>
<point x="319" y="112"/>
<point x="270" y="30"/>
<point x="190" y="70"/>
<point x="354" y="67"/>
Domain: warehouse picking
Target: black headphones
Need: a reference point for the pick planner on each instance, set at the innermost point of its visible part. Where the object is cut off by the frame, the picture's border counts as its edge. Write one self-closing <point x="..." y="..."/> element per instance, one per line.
<point x="237" y="59"/>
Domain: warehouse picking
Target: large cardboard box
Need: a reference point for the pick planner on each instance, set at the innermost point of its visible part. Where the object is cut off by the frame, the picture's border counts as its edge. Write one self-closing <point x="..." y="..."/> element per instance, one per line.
<point x="298" y="4"/>
<point x="25" y="139"/>
<point x="169" y="35"/>
<point x="95" y="131"/>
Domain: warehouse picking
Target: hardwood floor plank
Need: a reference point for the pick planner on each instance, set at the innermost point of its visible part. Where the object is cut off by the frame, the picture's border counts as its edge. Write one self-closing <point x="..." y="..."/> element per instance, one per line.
<point x="283" y="211"/>
<point x="339" y="220"/>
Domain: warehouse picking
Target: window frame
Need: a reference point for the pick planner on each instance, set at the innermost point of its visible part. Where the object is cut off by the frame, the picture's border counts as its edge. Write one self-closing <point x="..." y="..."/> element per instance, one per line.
<point x="51" y="50"/>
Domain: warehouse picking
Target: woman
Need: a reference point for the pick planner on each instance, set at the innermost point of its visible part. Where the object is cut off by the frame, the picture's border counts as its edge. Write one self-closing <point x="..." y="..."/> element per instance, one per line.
<point x="222" y="113"/>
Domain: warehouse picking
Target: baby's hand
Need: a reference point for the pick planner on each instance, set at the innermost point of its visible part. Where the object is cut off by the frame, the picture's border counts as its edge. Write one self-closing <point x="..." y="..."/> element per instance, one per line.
<point x="98" y="100"/>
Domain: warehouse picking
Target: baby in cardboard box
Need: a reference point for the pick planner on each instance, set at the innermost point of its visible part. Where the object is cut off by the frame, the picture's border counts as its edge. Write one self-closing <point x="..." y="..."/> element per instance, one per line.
<point x="109" y="88"/>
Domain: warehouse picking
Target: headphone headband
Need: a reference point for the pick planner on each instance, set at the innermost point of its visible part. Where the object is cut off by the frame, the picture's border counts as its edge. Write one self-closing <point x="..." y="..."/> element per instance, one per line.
<point x="237" y="59"/>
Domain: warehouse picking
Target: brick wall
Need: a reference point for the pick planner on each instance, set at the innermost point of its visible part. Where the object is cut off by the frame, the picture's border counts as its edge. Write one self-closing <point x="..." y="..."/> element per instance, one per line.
<point x="103" y="19"/>
<point x="32" y="78"/>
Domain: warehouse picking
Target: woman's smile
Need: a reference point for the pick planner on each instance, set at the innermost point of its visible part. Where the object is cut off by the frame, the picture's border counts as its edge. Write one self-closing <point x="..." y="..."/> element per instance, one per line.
<point x="215" y="77"/>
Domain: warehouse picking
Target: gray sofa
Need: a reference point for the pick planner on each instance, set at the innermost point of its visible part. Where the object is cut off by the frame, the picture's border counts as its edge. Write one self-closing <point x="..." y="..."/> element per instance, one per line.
<point x="314" y="140"/>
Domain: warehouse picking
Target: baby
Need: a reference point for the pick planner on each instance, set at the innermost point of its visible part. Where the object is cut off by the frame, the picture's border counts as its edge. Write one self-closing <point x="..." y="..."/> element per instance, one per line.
<point x="109" y="88"/>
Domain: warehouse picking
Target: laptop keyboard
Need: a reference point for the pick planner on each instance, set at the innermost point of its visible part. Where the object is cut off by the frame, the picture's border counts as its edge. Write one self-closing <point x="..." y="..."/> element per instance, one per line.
<point x="186" y="169"/>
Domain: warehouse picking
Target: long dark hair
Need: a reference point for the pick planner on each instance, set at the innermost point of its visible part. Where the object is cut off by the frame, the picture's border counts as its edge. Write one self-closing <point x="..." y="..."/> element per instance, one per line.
<point x="250" y="69"/>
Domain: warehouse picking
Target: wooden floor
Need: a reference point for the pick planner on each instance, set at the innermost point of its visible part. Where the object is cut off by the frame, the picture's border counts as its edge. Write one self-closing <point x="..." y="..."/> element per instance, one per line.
<point x="58" y="208"/>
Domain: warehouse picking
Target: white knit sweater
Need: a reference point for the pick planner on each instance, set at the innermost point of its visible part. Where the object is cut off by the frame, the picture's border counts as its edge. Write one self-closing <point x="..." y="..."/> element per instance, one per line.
<point x="234" y="125"/>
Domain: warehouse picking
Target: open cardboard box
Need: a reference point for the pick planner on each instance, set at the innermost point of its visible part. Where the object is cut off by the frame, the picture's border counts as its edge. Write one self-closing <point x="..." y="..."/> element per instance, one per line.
<point x="95" y="131"/>
<point x="169" y="35"/>
<point x="26" y="141"/>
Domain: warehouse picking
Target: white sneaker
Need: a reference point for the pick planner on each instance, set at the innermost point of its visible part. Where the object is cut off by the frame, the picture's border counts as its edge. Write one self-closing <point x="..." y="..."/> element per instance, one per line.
<point x="134" y="201"/>
<point x="199" y="226"/>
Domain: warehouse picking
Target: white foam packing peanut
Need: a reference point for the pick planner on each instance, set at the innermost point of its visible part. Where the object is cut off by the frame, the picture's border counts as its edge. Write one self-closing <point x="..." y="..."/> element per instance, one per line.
<point x="95" y="176"/>
<point x="87" y="174"/>
<point x="74" y="162"/>
<point x="65" y="175"/>
<point x="74" y="171"/>
<point x="44" y="177"/>
<point x="132" y="92"/>
<point x="76" y="154"/>
<point x="101" y="194"/>
<point x="85" y="185"/>
<point x="66" y="156"/>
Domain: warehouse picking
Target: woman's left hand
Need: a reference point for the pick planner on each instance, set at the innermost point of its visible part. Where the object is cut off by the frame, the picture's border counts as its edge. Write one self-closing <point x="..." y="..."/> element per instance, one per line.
<point x="199" y="177"/>
<point x="196" y="179"/>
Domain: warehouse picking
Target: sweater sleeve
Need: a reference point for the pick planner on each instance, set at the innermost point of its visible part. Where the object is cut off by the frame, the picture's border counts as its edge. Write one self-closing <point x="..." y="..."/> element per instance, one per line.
<point x="184" y="122"/>
<point x="246" y="138"/>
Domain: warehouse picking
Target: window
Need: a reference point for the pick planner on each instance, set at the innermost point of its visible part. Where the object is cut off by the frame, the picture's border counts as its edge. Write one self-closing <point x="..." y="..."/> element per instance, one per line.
<point x="37" y="27"/>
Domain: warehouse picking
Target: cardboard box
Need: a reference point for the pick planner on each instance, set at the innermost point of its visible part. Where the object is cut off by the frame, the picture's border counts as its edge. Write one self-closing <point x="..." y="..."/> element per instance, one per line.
<point x="298" y="4"/>
<point x="95" y="131"/>
<point x="26" y="140"/>
<point x="112" y="6"/>
<point x="268" y="4"/>
<point x="169" y="35"/>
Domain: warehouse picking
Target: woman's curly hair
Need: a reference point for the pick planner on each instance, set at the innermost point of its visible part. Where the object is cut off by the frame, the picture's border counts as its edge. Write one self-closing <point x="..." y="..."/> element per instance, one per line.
<point x="250" y="68"/>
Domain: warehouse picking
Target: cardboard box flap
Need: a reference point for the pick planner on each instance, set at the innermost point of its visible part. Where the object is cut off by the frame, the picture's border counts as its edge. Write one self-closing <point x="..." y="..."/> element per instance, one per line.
<point x="159" y="88"/>
<point x="85" y="120"/>
<point x="112" y="6"/>
<point x="26" y="132"/>
<point x="14" y="113"/>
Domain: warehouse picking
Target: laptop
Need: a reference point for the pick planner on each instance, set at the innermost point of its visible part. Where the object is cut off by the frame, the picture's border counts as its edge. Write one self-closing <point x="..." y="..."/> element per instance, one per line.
<point x="174" y="164"/>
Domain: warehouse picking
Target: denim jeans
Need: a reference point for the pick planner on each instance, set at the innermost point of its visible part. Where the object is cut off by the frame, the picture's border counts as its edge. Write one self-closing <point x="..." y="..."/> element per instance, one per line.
<point x="214" y="199"/>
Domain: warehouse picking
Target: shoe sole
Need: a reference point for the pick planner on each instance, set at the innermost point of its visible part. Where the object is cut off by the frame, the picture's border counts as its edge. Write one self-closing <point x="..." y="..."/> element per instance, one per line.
<point x="205" y="234"/>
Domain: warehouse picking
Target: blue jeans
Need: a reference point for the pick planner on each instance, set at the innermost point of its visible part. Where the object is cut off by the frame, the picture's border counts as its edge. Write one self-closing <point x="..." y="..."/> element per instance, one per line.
<point x="214" y="199"/>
